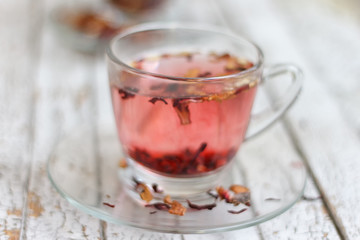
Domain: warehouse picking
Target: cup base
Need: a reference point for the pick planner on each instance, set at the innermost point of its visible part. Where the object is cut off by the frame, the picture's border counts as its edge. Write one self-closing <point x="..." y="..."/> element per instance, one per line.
<point x="176" y="187"/>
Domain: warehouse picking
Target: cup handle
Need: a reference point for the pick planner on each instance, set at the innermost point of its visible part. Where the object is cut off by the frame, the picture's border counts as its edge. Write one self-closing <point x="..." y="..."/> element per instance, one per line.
<point x="262" y="120"/>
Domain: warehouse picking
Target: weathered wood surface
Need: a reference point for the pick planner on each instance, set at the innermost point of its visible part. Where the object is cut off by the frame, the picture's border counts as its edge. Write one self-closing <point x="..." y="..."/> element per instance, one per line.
<point x="47" y="88"/>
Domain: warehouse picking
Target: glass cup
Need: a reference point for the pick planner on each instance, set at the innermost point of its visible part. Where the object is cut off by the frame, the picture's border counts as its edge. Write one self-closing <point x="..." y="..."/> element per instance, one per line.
<point x="182" y="99"/>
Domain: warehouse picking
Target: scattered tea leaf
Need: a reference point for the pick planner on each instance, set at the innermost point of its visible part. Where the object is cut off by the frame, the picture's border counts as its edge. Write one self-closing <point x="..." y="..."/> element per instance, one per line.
<point x="145" y="193"/>
<point x="108" y="204"/>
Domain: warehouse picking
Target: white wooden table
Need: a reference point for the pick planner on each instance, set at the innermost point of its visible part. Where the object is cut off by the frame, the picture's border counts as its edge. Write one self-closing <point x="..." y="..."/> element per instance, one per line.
<point x="45" y="87"/>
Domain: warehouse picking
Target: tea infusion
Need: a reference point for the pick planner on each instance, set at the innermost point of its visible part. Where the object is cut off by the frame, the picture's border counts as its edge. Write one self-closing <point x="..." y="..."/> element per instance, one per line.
<point x="179" y="127"/>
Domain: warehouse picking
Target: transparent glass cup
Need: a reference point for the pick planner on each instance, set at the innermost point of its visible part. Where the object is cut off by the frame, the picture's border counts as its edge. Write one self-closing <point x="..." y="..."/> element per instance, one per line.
<point x="180" y="118"/>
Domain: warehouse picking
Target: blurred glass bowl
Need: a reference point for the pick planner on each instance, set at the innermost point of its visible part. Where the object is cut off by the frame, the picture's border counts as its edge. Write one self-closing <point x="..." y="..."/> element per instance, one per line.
<point x="138" y="7"/>
<point x="87" y="28"/>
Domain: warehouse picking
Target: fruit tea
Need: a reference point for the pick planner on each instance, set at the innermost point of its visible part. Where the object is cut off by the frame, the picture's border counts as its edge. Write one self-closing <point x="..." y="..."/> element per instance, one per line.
<point x="178" y="124"/>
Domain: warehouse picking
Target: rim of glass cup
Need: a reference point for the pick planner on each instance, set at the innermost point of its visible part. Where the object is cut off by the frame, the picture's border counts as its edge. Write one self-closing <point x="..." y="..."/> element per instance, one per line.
<point x="173" y="26"/>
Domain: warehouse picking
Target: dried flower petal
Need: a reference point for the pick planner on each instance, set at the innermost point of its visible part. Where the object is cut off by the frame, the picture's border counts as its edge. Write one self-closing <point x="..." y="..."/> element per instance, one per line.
<point x="223" y="194"/>
<point x="167" y="199"/>
<point x="123" y="163"/>
<point x="177" y="208"/>
<point x="108" y="204"/>
<point x="238" y="189"/>
<point x="182" y="109"/>
<point x="145" y="194"/>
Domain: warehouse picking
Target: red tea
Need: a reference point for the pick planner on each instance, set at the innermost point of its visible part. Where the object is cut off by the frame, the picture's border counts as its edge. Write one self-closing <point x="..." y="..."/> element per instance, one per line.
<point x="179" y="127"/>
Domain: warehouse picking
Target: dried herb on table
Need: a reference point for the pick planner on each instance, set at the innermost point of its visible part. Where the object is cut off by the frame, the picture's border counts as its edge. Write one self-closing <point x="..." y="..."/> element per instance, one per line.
<point x="201" y="207"/>
<point x="152" y="212"/>
<point x="155" y="99"/>
<point x="108" y="204"/>
<point x="237" y="212"/>
<point x="237" y="198"/>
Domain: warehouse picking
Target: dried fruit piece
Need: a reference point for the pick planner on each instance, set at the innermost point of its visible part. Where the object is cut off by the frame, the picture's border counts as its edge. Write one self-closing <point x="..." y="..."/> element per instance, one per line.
<point x="145" y="193"/>
<point x="223" y="194"/>
<point x="167" y="199"/>
<point x="177" y="208"/>
<point x="123" y="163"/>
<point x="238" y="189"/>
<point x="201" y="207"/>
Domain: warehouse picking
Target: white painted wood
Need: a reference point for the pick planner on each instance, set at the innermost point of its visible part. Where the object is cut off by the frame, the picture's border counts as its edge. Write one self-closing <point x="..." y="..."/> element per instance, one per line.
<point x="317" y="122"/>
<point x="42" y="97"/>
<point x="18" y="53"/>
<point x="64" y="89"/>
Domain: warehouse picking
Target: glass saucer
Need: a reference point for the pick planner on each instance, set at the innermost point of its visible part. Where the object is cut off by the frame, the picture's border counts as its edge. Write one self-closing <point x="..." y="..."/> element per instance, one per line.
<point x="84" y="168"/>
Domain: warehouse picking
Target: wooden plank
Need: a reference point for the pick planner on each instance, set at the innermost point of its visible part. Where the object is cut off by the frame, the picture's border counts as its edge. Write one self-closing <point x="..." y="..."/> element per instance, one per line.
<point x="63" y="88"/>
<point x="19" y="50"/>
<point x="259" y="21"/>
<point x="331" y="51"/>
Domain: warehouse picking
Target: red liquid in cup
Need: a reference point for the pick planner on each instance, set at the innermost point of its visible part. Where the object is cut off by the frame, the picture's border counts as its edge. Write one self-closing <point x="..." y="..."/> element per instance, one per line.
<point x="182" y="129"/>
